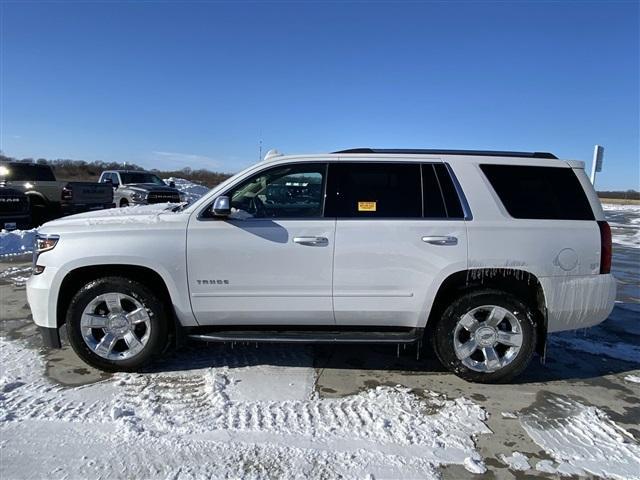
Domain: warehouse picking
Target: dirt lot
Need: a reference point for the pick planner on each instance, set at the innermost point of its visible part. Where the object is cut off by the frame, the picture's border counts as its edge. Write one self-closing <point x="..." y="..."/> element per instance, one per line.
<point x="565" y="416"/>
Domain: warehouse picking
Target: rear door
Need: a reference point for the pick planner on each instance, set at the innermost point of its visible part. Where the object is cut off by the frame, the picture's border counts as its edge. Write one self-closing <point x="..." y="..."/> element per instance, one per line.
<point x="400" y="228"/>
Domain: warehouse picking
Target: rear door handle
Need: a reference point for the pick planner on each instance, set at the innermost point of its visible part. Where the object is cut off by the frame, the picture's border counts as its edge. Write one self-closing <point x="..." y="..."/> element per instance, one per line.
<point x="311" y="241"/>
<point x="440" y="240"/>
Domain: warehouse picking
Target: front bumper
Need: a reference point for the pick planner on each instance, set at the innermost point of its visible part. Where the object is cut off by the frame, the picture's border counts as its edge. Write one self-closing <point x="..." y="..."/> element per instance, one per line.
<point x="20" y="221"/>
<point x="578" y="301"/>
<point x="41" y="294"/>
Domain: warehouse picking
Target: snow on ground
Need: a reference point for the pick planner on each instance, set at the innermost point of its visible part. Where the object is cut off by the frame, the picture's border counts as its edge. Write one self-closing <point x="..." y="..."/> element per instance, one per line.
<point x="16" y="242"/>
<point x="582" y="439"/>
<point x="632" y="378"/>
<point x="516" y="461"/>
<point x="192" y="191"/>
<point x="626" y="234"/>
<point x="224" y="422"/>
<point x="16" y="275"/>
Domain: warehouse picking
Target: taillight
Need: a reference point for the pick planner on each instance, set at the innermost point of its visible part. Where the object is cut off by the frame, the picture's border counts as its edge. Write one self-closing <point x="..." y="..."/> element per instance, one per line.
<point x="605" y="247"/>
<point x="67" y="193"/>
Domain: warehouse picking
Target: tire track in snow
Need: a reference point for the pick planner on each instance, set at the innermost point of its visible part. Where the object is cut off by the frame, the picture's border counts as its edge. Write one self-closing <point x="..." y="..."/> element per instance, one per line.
<point x="205" y="423"/>
<point x="581" y="438"/>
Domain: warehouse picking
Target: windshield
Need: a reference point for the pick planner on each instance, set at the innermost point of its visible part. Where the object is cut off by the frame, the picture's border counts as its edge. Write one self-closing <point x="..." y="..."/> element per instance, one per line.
<point x="140" y="177"/>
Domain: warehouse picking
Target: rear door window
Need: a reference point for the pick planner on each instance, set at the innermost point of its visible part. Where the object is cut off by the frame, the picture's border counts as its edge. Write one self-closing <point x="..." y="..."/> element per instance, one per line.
<point x="550" y="193"/>
<point x="374" y="190"/>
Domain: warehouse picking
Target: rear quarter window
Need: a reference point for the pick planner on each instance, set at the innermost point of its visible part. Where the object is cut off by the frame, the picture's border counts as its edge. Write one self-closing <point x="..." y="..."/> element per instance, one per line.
<point x="545" y="193"/>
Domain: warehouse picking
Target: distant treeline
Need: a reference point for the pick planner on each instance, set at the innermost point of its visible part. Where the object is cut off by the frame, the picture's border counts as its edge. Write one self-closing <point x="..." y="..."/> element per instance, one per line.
<point x="79" y="170"/>
<point x="627" y="195"/>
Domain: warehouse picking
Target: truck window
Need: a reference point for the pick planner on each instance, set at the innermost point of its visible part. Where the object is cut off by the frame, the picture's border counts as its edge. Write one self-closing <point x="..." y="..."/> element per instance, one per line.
<point x="550" y="193"/>
<point x="139" y="177"/>
<point x="291" y="191"/>
<point x="374" y="190"/>
<point x="29" y="172"/>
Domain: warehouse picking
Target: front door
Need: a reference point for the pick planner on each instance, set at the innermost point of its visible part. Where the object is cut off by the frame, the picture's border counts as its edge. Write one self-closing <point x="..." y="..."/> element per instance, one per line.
<point x="270" y="262"/>
<point x="400" y="230"/>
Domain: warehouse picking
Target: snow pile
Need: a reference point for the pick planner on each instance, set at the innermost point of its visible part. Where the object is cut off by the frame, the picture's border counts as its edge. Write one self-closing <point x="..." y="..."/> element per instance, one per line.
<point x="215" y="422"/>
<point x="17" y="242"/>
<point x="516" y="461"/>
<point x="582" y="439"/>
<point x="192" y="191"/>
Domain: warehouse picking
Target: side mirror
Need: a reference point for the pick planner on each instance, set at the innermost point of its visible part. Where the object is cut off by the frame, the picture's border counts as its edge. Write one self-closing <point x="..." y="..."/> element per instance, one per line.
<point x="221" y="207"/>
<point x="172" y="184"/>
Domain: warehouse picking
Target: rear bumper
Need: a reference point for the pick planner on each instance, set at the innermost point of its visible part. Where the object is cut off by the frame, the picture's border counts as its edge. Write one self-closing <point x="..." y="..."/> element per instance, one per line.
<point x="578" y="302"/>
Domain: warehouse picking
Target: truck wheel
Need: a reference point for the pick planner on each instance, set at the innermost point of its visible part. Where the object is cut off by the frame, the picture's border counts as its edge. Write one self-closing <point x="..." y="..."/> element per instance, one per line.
<point x="124" y="203"/>
<point x="486" y="336"/>
<point x="117" y="324"/>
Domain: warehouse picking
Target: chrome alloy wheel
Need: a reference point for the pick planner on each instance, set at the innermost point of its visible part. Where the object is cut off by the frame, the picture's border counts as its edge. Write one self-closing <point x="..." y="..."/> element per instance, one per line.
<point x="487" y="338"/>
<point x="115" y="326"/>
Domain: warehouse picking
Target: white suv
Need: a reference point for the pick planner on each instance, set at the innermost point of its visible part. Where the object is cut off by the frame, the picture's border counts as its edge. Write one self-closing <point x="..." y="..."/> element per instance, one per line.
<point x="480" y="253"/>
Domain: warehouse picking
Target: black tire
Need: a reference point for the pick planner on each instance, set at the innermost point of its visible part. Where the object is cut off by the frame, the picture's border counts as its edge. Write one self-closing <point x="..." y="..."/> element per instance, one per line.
<point x="124" y="203"/>
<point x="158" y="317"/>
<point x="443" y="335"/>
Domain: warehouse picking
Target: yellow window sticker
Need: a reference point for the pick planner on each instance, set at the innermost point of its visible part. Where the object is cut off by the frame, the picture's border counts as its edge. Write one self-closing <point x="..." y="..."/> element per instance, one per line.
<point x="366" y="206"/>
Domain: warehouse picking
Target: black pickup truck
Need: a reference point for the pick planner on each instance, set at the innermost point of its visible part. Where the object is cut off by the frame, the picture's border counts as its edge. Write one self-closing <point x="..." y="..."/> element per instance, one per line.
<point x="50" y="198"/>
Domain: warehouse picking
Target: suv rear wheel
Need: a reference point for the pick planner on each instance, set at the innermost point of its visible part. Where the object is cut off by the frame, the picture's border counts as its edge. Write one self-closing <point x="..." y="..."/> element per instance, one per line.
<point x="486" y="336"/>
<point x="117" y="324"/>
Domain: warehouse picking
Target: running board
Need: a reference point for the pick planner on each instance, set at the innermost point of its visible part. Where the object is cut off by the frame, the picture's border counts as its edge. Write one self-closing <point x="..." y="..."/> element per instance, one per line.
<point x="309" y="336"/>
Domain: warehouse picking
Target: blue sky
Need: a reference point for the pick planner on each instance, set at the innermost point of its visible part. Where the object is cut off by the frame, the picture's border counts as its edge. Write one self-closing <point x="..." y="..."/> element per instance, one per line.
<point x="176" y="84"/>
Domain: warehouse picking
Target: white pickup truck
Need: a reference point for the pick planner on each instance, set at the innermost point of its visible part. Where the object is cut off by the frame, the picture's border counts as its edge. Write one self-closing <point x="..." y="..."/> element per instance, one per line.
<point x="480" y="254"/>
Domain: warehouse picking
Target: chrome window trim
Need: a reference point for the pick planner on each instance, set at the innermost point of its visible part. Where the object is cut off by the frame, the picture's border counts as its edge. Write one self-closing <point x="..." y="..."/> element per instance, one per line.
<point x="468" y="216"/>
<point x="466" y="209"/>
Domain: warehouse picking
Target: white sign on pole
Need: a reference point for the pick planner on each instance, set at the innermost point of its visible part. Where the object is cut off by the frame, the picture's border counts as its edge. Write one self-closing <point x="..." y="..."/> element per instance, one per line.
<point x="596" y="165"/>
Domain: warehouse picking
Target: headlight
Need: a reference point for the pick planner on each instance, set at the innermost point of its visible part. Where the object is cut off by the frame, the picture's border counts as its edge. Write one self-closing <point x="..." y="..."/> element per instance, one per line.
<point x="183" y="197"/>
<point x="139" y="196"/>
<point x="46" y="242"/>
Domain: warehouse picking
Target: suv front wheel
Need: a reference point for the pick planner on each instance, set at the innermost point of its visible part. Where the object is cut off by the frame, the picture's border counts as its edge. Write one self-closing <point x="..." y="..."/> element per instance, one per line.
<point x="117" y="324"/>
<point x="486" y="336"/>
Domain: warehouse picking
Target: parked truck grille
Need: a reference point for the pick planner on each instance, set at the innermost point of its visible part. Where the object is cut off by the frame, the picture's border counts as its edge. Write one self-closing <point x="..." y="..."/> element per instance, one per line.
<point x="13" y="204"/>
<point x="161" y="197"/>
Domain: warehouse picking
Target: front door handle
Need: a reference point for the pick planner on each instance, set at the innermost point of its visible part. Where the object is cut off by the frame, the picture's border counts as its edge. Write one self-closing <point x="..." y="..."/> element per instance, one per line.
<point x="440" y="240"/>
<point x="311" y="241"/>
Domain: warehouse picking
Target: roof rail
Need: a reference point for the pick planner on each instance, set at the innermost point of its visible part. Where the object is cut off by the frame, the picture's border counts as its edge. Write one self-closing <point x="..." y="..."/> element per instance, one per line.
<point x="475" y="153"/>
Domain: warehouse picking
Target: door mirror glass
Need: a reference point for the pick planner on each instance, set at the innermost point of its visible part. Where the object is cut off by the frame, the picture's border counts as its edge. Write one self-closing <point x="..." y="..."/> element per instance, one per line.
<point x="172" y="184"/>
<point x="221" y="207"/>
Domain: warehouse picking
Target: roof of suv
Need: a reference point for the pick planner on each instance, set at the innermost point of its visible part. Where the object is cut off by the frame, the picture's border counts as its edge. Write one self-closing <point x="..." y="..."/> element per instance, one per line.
<point x="475" y="153"/>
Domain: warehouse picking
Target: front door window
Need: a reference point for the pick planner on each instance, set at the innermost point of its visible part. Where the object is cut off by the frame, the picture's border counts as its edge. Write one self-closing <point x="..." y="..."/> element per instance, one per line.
<point x="291" y="191"/>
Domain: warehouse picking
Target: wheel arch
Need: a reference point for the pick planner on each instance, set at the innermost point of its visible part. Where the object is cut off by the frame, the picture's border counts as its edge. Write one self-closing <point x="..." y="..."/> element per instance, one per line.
<point x="520" y="283"/>
<point x="78" y="277"/>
